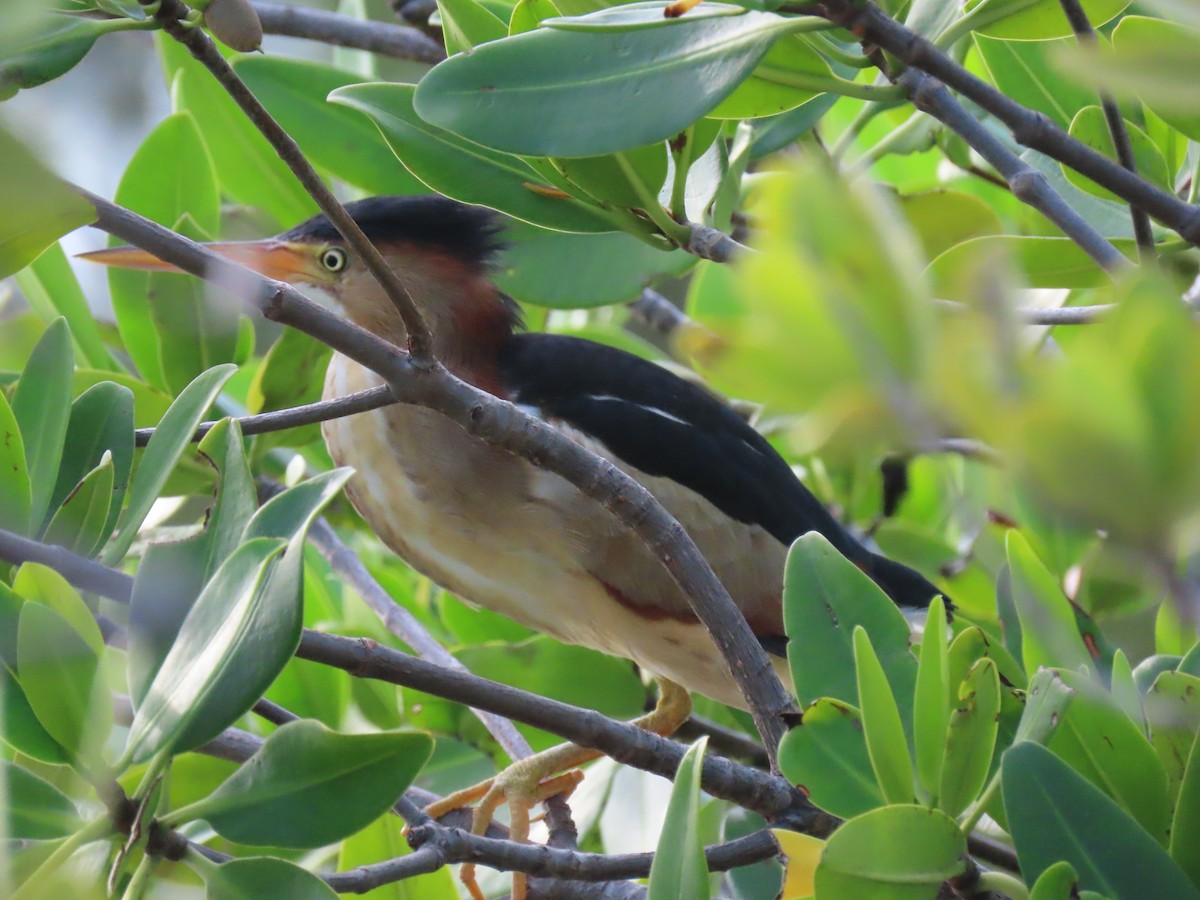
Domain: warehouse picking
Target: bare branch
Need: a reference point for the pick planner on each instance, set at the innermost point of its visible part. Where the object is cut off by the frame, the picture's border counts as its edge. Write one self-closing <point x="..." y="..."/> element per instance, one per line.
<point x="384" y="38"/>
<point x="1086" y="35"/>
<point x="709" y="243"/>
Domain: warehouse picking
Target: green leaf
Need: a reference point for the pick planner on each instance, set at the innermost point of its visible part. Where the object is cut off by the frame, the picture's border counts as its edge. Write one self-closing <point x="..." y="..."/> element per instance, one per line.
<point x="335" y="139"/>
<point x="528" y="15"/>
<point x="289" y="514"/>
<point x="639" y="86"/>
<point x="231" y="646"/>
<point x="1091" y="128"/>
<point x="79" y="523"/>
<point x="61" y="676"/>
<point x="384" y="839"/>
<point x="1044" y="262"/>
<point x="824" y="597"/>
<point x="614" y="184"/>
<point x="679" y="869"/>
<point x="931" y="712"/>
<point x="1124" y="691"/>
<point x="40" y="45"/>
<point x="41" y="405"/>
<point x="101" y="422"/>
<point x="1058" y="882"/>
<point x="254" y="877"/>
<point x="1040" y="20"/>
<point x="351" y="778"/>
<point x="1049" y="635"/>
<point x="898" y="852"/>
<point x="467" y="24"/>
<point x="15" y="494"/>
<point x="1047" y="701"/>
<point x="790" y="74"/>
<point x="826" y="757"/>
<point x="1055" y="814"/>
<point x="292" y="373"/>
<point x="52" y="289"/>
<point x="44" y="585"/>
<point x="971" y="739"/>
<point x="1185" y="827"/>
<point x="1173" y="713"/>
<point x="943" y="218"/>
<point x="19" y="725"/>
<point x="1156" y="60"/>
<point x="36" y="810"/>
<point x="881" y="723"/>
<point x="463" y="170"/>
<point x="167" y="444"/>
<point x="1023" y="71"/>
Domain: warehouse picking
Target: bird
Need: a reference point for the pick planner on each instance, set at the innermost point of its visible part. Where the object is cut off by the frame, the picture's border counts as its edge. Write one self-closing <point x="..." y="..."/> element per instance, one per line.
<point x="499" y="532"/>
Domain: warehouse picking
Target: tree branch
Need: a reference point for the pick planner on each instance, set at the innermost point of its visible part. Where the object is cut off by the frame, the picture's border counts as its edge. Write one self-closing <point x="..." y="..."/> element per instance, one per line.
<point x="294" y="417"/>
<point x="501" y="424"/>
<point x="384" y="38"/>
<point x="169" y="13"/>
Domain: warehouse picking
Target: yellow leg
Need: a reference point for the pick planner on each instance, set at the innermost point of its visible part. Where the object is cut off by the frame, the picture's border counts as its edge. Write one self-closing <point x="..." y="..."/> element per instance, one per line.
<point x="537" y="778"/>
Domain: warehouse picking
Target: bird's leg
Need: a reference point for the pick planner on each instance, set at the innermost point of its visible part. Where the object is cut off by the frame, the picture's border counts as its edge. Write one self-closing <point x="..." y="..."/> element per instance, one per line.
<point x="535" y="779"/>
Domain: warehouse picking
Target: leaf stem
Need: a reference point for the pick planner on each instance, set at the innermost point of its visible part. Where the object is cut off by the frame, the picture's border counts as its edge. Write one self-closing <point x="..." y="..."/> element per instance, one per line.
<point x="141" y="875"/>
<point x="1002" y="883"/>
<point x="678" y="233"/>
<point x="975" y="813"/>
<point x="828" y="85"/>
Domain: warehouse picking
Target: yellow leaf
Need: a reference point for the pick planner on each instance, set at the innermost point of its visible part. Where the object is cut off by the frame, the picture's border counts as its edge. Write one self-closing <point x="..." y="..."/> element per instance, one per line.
<point x="803" y="852"/>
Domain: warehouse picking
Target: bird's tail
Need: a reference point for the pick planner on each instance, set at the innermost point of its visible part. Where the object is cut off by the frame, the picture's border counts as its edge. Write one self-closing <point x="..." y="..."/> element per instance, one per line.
<point x="907" y="587"/>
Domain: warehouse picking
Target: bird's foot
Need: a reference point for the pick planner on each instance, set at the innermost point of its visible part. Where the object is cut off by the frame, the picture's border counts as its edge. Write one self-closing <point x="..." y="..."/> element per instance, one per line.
<point x="535" y="779"/>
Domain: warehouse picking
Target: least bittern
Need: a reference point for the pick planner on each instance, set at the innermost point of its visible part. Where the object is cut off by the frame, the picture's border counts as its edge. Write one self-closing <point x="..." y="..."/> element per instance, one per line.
<point x="499" y="532"/>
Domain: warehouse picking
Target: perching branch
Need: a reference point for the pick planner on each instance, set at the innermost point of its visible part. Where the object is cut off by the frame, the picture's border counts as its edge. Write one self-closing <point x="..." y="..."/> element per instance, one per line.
<point x="1030" y="128"/>
<point x="1086" y="35"/>
<point x="386" y="39"/>
<point x="501" y="424"/>
<point x="169" y="14"/>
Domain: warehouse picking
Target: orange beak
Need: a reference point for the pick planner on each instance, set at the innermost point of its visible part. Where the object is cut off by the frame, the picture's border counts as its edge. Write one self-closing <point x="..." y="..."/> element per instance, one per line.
<point x="290" y="262"/>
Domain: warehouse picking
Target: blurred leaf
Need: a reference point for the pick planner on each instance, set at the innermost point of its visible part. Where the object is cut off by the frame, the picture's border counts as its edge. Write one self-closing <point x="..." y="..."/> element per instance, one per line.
<point x="826" y="757"/>
<point x="898" y="852"/>
<point x="1042" y="19"/>
<point x="384" y="839"/>
<point x="1022" y="70"/>
<point x="52" y="289"/>
<point x="351" y="778"/>
<point x="1055" y="814"/>
<point x="970" y="739"/>
<point x="1173" y="714"/>
<point x="1044" y="262"/>
<point x="336" y="139"/>
<point x="1090" y="127"/>
<point x="1050" y="636"/>
<point x="882" y="725"/>
<point x="931" y="710"/>
<point x="231" y="646"/>
<point x="803" y="853"/>
<point x="254" y="877"/>
<point x="467" y="24"/>
<point x="15" y="493"/>
<point x="167" y="444"/>
<point x="62" y="679"/>
<point x="79" y="522"/>
<point x="20" y="728"/>
<point x="43" y="45"/>
<point x="824" y="597"/>
<point x="528" y="15"/>
<point x="679" y="869"/>
<point x="461" y="169"/>
<point x="677" y="69"/>
<point x="1047" y="701"/>
<point x="1185" y="827"/>
<point x="944" y="218"/>
<point x="41" y="405"/>
<point x="36" y="810"/>
<point x="1125" y="693"/>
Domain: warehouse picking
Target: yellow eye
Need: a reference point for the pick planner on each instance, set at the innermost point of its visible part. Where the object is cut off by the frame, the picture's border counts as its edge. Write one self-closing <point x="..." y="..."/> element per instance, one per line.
<point x="334" y="259"/>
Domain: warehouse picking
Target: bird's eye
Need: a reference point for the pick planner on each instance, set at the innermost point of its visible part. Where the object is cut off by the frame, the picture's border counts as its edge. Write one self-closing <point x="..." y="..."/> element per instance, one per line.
<point x="334" y="259"/>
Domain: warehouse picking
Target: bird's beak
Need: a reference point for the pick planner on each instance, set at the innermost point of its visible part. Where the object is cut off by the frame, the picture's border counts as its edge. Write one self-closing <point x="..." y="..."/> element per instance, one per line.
<point x="283" y="261"/>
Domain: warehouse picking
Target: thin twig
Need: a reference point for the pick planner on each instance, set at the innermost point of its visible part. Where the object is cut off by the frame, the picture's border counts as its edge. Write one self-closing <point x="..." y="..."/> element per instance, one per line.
<point x="294" y="417"/>
<point x="1086" y="35"/>
<point x="710" y="243"/>
<point x="169" y="13"/>
<point x="384" y="38"/>
<point x="1029" y="185"/>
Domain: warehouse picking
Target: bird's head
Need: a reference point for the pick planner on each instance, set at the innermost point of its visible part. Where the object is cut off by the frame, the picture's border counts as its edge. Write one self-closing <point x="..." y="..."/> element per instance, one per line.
<point x="442" y="250"/>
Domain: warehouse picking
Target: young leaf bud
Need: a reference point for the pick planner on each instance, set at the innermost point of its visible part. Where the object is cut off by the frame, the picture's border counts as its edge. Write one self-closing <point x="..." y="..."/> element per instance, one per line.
<point x="235" y="24"/>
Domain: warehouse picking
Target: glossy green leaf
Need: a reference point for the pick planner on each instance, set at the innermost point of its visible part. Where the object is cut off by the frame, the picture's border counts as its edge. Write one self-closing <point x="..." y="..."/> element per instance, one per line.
<point x="52" y="289"/>
<point x="1050" y="636"/>
<point x="931" y="712"/>
<point x="333" y="138"/>
<point x="1044" y="262"/>
<point x="101" y="421"/>
<point x="352" y="778"/>
<point x="36" y="810"/>
<point x="639" y="86"/>
<point x="679" y="869"/>
<point x="1173" y="713"/>
<point x="61" y="676"/>
<point x="170" y="438"/>
<point x="1024" y="71"/>
<point x="248" y="169"/>
<point x="79" y="523"/>
<point x="467" y="24"/>
<point x="41" y="405"/>
<point x="290" y="513"/>
<point x="1185" y="826"/>
<point x="881" y="723"/>
<point x="824" y="597"/>
<point x="970" y="739"/>
<point x="1091" y="128"/>
<point x="44" y="585"/>
<point x="1055" y="814"/>
<point x="1039" y="20"/>
<point x="254" y="877"/>
<point x="461" y="169"/>
<point x="15" y="494"/>
<point x="528" y="15"/>
<point x="1047" y="700"/>
<point x="20" y="728"/>
<point x="1058" y="882"/>
<point x="898" y="852"/>
<point x="826" y="757"/>
<point x="230" y="647"/>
